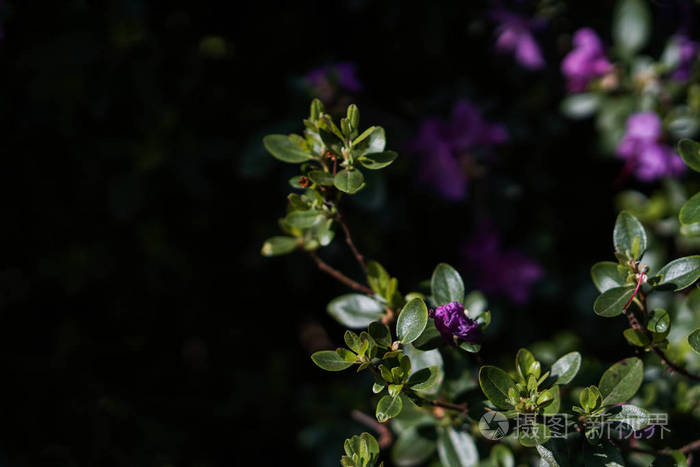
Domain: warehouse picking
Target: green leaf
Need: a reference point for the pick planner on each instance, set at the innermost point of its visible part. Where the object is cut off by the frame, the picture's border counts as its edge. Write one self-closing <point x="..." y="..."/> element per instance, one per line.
<point x="565" y="369"/>
<point x="282" y="148"/>
<point x="633" y="416"/>
<point x="621" y="381"/>
<point x="388" y="407"/>
<point x="279" y="246"/>
<point x="355" y="311"/>
<point x="551" y="394"/>
<point x="606" y="276"/>
<point x="690" y="152"/>
<point x="304" y="219"/>
<point x="636" y="337"/>
<point x="523" y="360"/>
<point x="412" y="320"/>
<point x="377" y="160"/>
<point x="629" y="236"/>
<point x="659" y="321"/>
<point x="690" y="211"/>
<point x="679" y="273"/>
<point x="694" y="340"/>
<point x="321" y="177"/>
<point x="414" y="446"/>
<point x="631" y="26"/>
<point x="495" y="383"/>
<point x="456" y="448"/>
<point x="349" y="181"/>
<point x="501" y="456"/>
<point x="380" y="333"/>
<point x="423" y="379"/>
<point x="602" y="455"/>
<point x="329" y="360"/>
<point x="372" y="140"/>
<point x="611" y="302"/>
<point x="446" y="285"/>
<point x="430" y="338"/>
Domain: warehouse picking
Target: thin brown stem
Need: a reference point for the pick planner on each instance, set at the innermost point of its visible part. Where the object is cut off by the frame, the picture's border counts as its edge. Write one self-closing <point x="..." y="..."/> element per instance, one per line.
<point x="348" y="239"/>
<point x="678" y="369"/>
<point x="385" y="436"/>
<point x="688" y="448"/>
<point x="323" y="266"/>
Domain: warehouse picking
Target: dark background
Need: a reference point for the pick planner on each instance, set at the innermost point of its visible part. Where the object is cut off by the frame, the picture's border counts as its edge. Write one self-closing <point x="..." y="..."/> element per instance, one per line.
<point x="138" y="323"/>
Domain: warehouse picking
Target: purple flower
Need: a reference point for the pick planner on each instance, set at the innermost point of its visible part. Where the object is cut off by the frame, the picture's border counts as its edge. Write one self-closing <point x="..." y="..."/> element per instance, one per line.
<point x="453" y="323"/>
<point x="646" y="156"/>
<point x="447" y="148"/>
<point x="687" y="52"/>
<point x="586" y="62"/>
<point x="325" y="81"/>
<point x="515" y="36"/>
<point x="645" y="433"/>
<point x="507" y="272"/>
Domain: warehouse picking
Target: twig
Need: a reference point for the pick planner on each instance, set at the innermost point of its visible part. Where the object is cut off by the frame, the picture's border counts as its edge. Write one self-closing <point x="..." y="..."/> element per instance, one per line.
<point x="385" y="436"/>
<point x="688" y="448"/>
<point x="339" y="275"/>
<point x="678" y="369"/>
<point x="348" y="239"/>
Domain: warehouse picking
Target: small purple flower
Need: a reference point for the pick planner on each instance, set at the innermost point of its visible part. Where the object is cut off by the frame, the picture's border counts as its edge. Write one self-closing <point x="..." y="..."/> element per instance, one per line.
<point x="515" y="36"/>
<point x="325" y="81"/>
<point x="586" y="62"/>
<point x="506" y="272"/>
<point x="453" y="323"/>
<point x="649" y="158"/>
<point x="447" y="148"/>
<point x="687" y="51"/>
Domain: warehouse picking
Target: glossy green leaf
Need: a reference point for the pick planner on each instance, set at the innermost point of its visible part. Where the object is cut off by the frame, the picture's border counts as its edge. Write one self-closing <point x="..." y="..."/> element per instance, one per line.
<point x="636" y="418"/>
<point x="279" y="246"/>
<point x="355" y="311"/>
<point x="621" y="381"/>
<point x="551" y="396"/>
<point x="694" y="340"/>
<point x="629" y="236"/>
<point x="690" y="152"/>
<point x="424" y="379"/>
<point x="430" y="338"/>
<point x="566" y="368"/>
<point x="679" y="273"/>
<point x="495" y="383"/>
<point x="412" y="320"/>
<point x="554" y="453"/>
<point x="372" y="140"/>
<point x="606" y="276"/>
<point x="631" y="26"/>
<point x="380" y="333"/>
<point x="456" y="448"/>
<point x="636" y="337"/>
<point x="329" y="360"/>
<point x="446" y="285"/>
<point x="388" y="407"/>
<point x="523" y="360"/>
<point x="501" y="456"/>
<point x="690" y="212"/>
<point x="304" y="219"/>
<point x="321" y="177"/>
<point x="377" y="160"/>
<point x="349" y="181"/>
<point x="612" y="301"/>
<point x="283" y="149"/>
<point x="534" y="434"/>
<point x="377" y="277"/>
<point x="659" y="321"/>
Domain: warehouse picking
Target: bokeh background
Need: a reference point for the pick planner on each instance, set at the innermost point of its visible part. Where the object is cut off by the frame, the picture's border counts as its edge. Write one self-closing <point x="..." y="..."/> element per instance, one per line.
<point x="139" y="324"/>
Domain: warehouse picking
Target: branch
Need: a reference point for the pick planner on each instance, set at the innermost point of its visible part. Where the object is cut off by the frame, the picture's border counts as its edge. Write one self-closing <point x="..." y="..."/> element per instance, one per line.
<point x="348" y="239"/>
<point x="339" y="275"/>
<point x="678" y="369"/>
<point x="385" y="436"/>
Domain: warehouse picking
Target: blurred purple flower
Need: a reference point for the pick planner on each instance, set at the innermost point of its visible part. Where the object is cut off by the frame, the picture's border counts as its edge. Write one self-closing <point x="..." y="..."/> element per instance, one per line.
<point x="505" y="272"/>
<point x="645" y="154"/>
<point x="452" y="322"/>
<point x="586" y="62"/>
<point x="326" y="80"/>
<point x="515" y="36"/>
<point x="445" y="148"/>
<point x="687" y="53"/>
